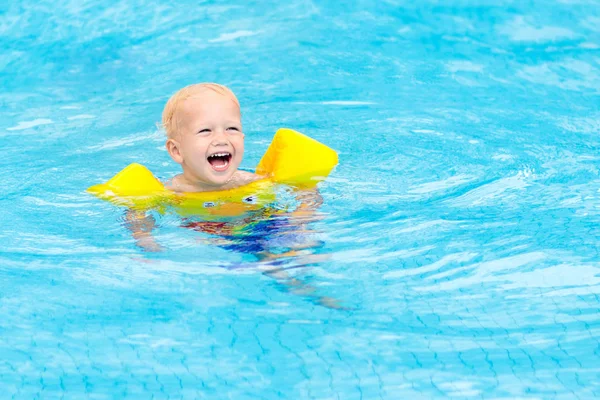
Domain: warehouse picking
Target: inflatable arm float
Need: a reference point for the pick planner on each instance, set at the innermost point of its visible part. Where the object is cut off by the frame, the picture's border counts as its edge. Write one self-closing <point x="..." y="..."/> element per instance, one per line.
<point x="292" y="158"/>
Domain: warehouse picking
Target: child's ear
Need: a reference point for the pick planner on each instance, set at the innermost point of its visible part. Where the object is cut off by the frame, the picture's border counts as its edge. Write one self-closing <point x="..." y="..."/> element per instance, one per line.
<point x="173" y="148"/>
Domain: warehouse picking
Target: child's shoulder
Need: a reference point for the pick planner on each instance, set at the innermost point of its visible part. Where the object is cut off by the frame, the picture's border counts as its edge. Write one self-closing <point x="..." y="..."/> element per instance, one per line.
<point x="241" y="178"/>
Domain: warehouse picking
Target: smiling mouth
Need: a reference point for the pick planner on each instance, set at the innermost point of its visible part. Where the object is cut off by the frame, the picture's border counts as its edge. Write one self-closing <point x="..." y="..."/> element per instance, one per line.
<point x="219" y="161"/>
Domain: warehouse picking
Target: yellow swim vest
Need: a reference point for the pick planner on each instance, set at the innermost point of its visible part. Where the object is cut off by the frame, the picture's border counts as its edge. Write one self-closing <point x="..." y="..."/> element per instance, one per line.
<point x="292" y="158"/>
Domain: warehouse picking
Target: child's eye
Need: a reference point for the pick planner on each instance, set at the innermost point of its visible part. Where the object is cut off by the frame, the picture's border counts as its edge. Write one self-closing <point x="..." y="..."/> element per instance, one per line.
<point x="233" y="128"/>
<point x="204" y="131"/>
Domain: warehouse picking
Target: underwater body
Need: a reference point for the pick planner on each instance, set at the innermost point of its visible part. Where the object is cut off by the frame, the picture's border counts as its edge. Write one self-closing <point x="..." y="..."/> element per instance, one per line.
<point x="452" y="253"/>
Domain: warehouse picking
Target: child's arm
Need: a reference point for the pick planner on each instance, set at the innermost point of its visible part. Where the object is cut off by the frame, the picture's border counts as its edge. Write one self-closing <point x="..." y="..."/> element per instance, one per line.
<point x="310" y="201"/>
<point x="141" y="224"/>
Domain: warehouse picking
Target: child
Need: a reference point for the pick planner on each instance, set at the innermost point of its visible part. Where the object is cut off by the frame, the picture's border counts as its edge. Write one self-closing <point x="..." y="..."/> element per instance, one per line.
<point x="204" y="136"/>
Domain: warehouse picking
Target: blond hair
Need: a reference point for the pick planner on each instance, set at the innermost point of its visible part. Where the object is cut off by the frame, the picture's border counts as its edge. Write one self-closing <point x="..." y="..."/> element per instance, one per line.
<point x="169" y="122"/>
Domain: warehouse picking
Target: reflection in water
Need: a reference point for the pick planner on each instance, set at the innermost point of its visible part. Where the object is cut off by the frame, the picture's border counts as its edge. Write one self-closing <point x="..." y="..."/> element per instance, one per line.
<point x="282" y="241"/>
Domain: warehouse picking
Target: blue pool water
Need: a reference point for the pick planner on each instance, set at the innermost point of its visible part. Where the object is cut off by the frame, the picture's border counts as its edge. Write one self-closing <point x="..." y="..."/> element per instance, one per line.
<point x="455" y="254"/>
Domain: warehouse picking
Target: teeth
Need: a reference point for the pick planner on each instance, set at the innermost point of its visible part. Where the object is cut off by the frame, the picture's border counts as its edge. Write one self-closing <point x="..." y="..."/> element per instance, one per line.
<point x="220" y="155"/>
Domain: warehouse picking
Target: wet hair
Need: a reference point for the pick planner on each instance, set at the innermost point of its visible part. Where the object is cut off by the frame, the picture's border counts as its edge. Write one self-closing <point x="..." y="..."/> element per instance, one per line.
<point x="169" y="122"/>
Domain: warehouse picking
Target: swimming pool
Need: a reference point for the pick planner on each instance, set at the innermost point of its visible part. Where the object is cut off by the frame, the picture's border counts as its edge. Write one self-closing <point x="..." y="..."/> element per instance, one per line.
<point x="455" y="253"/>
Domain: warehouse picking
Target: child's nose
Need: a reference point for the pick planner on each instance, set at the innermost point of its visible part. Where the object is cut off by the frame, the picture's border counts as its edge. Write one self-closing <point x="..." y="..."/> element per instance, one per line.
<point x="220" y="138"/>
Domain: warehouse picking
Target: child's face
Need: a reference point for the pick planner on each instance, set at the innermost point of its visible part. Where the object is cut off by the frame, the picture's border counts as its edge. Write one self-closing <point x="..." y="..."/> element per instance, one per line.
<point x="210" y="142"/>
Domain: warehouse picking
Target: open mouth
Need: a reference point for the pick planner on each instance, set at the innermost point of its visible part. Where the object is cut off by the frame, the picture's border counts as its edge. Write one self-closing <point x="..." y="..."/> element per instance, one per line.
<point x="219" y="161"/>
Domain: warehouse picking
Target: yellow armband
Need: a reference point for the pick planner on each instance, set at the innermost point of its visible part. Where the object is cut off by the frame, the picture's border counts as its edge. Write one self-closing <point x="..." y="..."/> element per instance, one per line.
<point x="292" y="158"/>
